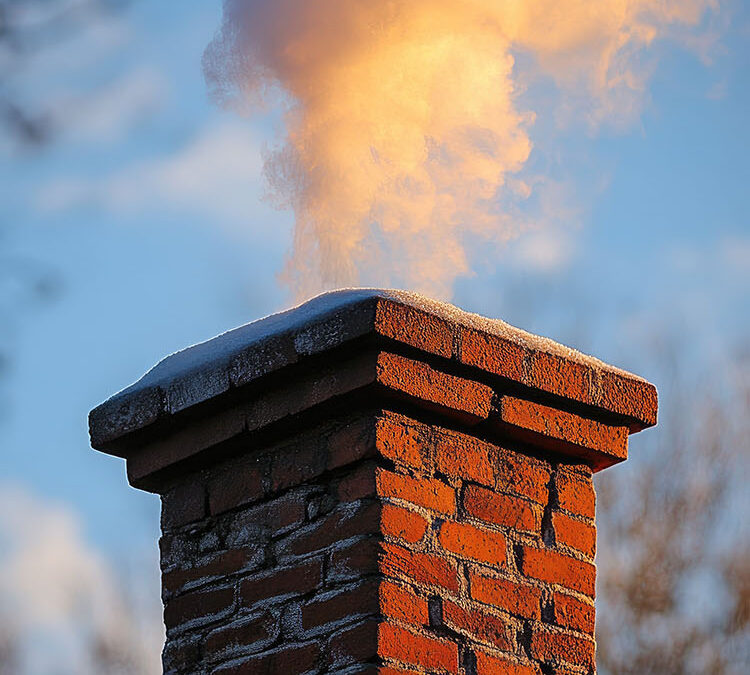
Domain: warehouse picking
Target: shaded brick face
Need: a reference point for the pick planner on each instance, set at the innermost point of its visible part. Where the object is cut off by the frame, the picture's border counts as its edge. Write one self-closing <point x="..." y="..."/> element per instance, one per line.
<point x="426" y="551"/>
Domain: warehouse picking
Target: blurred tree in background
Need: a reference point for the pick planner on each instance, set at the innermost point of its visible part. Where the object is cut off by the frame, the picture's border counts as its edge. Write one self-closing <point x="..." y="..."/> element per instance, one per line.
<point x="674" y="556"/>
<point x="27" y="28"/>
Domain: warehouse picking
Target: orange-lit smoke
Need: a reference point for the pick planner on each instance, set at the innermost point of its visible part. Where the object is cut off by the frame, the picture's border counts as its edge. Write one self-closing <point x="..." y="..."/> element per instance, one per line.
<point x="404" y="135"/>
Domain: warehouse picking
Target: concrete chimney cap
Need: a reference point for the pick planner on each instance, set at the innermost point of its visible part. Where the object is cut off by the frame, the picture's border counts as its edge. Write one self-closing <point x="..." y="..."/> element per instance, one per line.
<point x="241" y="356"/>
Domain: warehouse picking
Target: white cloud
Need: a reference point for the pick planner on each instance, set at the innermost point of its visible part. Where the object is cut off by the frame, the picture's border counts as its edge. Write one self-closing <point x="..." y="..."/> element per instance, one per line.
<point x="107" y="114"/>
<point x="218" y="174"/>
<point x="60" y="600"/>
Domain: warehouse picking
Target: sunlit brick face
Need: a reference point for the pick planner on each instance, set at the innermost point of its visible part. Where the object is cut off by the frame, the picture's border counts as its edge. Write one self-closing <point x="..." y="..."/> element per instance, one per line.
<point x="381" y="506"/>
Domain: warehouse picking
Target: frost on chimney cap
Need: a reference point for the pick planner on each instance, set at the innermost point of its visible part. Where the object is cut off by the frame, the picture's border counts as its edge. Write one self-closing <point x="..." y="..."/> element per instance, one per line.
<point x="211" y="369"/>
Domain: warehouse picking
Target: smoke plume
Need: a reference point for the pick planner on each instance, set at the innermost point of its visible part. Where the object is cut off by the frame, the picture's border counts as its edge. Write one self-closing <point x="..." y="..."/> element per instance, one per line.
<point x="405" y="136"/>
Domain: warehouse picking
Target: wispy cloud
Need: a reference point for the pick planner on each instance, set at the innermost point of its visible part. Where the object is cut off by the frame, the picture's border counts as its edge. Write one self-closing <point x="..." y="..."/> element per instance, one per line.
<point x="217" y="173"/>
<point x="107" y="114"/>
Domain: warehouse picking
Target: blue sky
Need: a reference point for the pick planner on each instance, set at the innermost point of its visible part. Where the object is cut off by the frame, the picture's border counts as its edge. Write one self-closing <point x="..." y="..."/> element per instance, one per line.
<point x="148" y="209"/>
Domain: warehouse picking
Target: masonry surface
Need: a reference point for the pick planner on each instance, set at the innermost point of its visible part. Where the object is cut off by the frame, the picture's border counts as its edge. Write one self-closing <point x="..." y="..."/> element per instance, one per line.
<point x="376" y="483"/>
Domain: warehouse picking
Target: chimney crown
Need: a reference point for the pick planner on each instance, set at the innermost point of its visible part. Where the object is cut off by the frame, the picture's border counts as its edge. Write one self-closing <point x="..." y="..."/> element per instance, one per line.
<point x="376" y="483"/>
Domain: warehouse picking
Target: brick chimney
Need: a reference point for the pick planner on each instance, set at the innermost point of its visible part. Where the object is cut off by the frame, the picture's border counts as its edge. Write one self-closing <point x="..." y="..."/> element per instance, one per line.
<point x="376" y="483"/>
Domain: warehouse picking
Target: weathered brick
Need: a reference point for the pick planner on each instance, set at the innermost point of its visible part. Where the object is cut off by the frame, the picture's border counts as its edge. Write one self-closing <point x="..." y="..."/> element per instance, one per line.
<point x="491" y="664"/>
<point x="253" y="633"/>
<point x="547" y="645"/>
<point x="353" y="644"/>
<point x="573" y="613"/>
<point x="574" y="533"/>
<point x="561" y="376"/>
<point x="415" y="328"/>
<point x="468" y="400"/>
<point x="500" y="509"/>
<point x="236" y="484"/>
<point x="463" y="457"/>
<point x="402" y="524"/>
<point x="354" y="560"/>
<point x="473" y="542"/>
<point x="398" y="602"/>
<point x="295" y="580"/>
<point x="416" y="649"/>
<point x="575" y="493"/>
<point x="478" y="625"/>
<point x="492" y="354"/>
<point x="222" y="565"/>
<point x="423" y="568"/>
<point x="398" y="439"/>
<point x="427" y="492"/>
<point x="348" y="603"/>
<point x="292" y="660"/>
<point x="351" y="443"/>
<point x="523" y="475"/>
<point x="358" y="483"/>
<point x="296" y="464"/>
<point x="185" y="503"/>
<point x="564" y="427"/>
<point x="348" y="520"/>
<point x="555" y="568"/>
<point x="520" y="599"/>
<point x="199" y="606"/>
<point x="628" y="396"/>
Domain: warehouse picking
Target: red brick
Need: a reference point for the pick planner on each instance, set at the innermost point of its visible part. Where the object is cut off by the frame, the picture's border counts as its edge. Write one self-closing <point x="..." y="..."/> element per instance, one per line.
<point x="419" y="650"/>
<point x="523" y="475"/>
<point x="629" y="396"/>
<point x="479" y="625"/>
<point x="182" y="655"/>
<point x="402" y="524"/>
<point x="574" y="533"/>
<point x="416" y="379"/>
<point x="419" y="567"/>
<point x="351" y="443"/>
<point x="397" y="602"/>
<point x="341" y="524"/>
<point x="296" y="464"/>
<point x="398" y="439"/>
<point x="288" y="660"/>
<point x="297" y="580"/>
<point x="281" y="513"/>
<point x="519" y="599"/>
<point x="222" y="565"/>
<point x="236" y="484"/>
<point x="575" y="493"/>
<point x="257" y="630"/>
<point x="474" y="542"/>
<point x="492" y="354"/>
<point x="561" y="376"/>
<point x="572" y="613"/>
<point x="426" y="492"/>
<point x="358" y="483"/>
<point x="362" y="599"/>
<point x="553" y="646"/>
<point x="463" y="457"/>
<point x="490" y="664"/>
<point x="555" y="568"/>
<point x="558" y="425"/>
<point x="354" y="560"/>
<point x="198" y="605"/>
<point x="500" y="509"/>
<point x="415" y="328"/>
<point x="183" y="504"/>
<point x="355" y="644"/>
